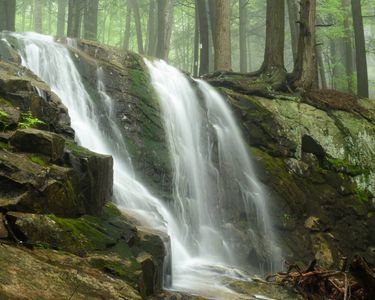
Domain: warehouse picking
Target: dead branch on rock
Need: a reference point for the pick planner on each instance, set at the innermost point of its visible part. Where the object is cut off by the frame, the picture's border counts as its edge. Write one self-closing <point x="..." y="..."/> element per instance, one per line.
<point x="316" y="282"/>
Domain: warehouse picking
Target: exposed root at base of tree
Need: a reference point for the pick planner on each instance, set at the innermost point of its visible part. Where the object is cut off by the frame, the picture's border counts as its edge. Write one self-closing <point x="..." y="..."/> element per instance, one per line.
<point x="317" y="283"/>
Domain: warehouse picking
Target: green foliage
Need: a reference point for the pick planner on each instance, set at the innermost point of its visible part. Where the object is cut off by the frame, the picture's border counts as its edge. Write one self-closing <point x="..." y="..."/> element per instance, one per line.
<point x="28" y="121"/>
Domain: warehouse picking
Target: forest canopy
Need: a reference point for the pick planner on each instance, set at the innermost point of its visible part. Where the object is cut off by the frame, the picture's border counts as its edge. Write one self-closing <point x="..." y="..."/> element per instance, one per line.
<point x="187" y="29"/>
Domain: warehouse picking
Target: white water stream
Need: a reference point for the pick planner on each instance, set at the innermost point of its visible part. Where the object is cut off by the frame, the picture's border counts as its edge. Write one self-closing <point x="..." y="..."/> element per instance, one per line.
<point x="212" y="170"/>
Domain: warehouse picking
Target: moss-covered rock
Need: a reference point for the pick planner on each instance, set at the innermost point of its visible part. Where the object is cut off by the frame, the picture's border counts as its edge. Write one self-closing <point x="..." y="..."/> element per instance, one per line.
<point x="39" y="141"/>
<point x="108" y="243"/>
<point x="94" y="176"/>
<point x="25" y="274"/>
<point x="316" y="162"/>
<point x="135" y="109"/>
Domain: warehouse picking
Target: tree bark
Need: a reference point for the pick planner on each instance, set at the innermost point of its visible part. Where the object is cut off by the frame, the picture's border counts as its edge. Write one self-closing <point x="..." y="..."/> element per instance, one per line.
<point x="162" y="7"/>
<point x="91" y="20"/>
<point x="204" y="37"/>
<point x="223" y="60"/>
<point x="243" y="35"/>
<point x="38" y="18"/>
<point x="293" y="13"/>
<point x="74" y="18"/>
<point x="348" y="51"/>
<point x="61" y="12"/>
<point x="304" y="68"/>
<point x="275" y="26"/>
<point x="8" y="15"/>
<point x="138" y="25"/>
<point x="212" y="15"/>
<point x="165" y="18"/>
<point x="168" y="26"/>
<point x="151" y="29"/>
<point x="196" y="42"/>
<point x="320" y="63"/>
<point x="127" y="27"/>
<point x="361" y="60"/>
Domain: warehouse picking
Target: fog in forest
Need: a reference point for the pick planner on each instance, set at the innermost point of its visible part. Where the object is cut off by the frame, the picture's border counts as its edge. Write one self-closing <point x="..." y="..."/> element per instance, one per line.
<point x="188" y="27"/>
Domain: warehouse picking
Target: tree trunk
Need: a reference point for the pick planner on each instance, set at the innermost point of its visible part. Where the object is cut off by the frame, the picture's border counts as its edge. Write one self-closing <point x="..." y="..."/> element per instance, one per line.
<point x="243" y="35"/>
<point x="61" y="11"/>
<point x="8" y="15"/>
<point x="320" y="62"/>
<point x="127" y="27"/>
<point x="348" y="51"/>
<point x="162" y="6"/>
<point x="151" y="30"/>
<point x="38" y="18"/>
<point x="223" y="60"/>
<point x="204" y="37"/>
<point x="196" y="42"/>
<point x="361" y="60"/>
<point x="304" y="68"/>
<point x="168" y="27"/>
<point x="91" y="20"/>
<point x="293" y="13"/>
<point x="74" y="18"/>
<point x="212" y="15"/>
<point x="274" y="49"/>
<point x="138" y="26"/>
<point x="165" y="17"/>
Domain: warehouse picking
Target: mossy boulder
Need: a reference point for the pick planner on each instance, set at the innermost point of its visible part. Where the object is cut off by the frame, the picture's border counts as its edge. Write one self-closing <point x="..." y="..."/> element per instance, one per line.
<point x="94" y="176"/>
<point x="108" y="243"/>
<point x="30" y="187"/>
<point x="22" y="90"/>
<point x="39" y="141"/>
<point x="25" y="274"/>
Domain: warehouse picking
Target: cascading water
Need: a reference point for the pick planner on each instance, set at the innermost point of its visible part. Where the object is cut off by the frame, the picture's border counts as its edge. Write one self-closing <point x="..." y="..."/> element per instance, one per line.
<point x="212" y="168"/>
<point x="213" y="171"/>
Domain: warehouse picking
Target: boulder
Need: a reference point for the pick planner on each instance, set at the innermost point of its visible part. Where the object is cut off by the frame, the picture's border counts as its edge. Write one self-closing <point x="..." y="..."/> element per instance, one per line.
<point x="9" y="117"/>
<point x="39" y="141"/>
<point x="30" y="187"/>
<point x="94" y="176"/>
<point x="26" y="92"/>
<point x="48" y="274"/>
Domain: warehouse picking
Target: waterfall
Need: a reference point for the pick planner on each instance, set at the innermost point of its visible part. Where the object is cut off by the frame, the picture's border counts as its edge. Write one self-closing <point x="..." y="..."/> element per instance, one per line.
<point x="213" y="175"/>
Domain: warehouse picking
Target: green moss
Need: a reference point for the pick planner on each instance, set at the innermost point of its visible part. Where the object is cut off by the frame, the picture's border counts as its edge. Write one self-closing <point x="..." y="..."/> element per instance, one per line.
<point x="77" y="150"/>
<point x="361" y="195"/>
<point x="346" y="167"/>
<point x="5" y="146"/>
<point x="119" y="268"/>
<point x="82" y="235"/>
<point x="5" y="102"/>
<point x="371" y="215"/>
<point x="36" y="159"/>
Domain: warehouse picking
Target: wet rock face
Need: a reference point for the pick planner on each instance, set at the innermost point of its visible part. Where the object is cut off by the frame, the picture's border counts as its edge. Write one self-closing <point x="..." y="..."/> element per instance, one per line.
<point x="39" y="141"/>
<point x="319" y="170"/>
<point x="135" y="108"/>
<point x="22" y="91"/>
<point x="93" y="176"/>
